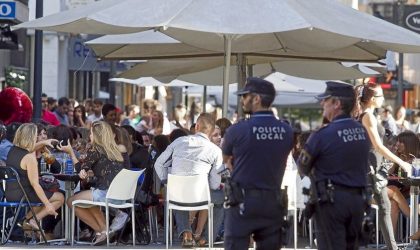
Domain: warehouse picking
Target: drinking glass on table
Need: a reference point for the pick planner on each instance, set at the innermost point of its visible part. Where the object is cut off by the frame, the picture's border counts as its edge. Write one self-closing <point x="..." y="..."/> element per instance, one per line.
<point x="49" y="159"/>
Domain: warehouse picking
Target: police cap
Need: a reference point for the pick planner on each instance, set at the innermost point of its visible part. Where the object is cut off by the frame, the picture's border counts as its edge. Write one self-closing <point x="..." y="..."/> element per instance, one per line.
<point x="337" y="89"/>
<point x="258" y="86"/>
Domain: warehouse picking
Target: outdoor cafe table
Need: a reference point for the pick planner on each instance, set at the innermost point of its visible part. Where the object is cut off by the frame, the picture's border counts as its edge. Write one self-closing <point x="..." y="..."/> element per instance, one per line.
<point x="70" y="181"/>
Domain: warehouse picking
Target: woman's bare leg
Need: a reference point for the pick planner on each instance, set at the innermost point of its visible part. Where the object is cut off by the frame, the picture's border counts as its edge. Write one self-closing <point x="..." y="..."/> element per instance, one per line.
<point x="395" y="194"/>
<point x="87" y="215"/>
<point x="57" y="200"/>
<point x="395" y="212"/>
<point x="202" y="219"/>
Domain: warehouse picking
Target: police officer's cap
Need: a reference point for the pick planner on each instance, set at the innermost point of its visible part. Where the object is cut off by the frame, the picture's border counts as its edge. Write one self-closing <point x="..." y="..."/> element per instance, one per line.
<point x="337" y="89"/>
<point x="258" y="86"/>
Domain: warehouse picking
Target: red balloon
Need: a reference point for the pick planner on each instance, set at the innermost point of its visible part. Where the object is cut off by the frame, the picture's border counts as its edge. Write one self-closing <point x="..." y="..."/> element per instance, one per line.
<point x="15" y="106"/>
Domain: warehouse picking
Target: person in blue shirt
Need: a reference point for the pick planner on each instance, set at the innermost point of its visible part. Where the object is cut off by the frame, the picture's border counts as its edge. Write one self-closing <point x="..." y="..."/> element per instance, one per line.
<point x="256" y="150"/>
<point x="5" y="144"/>
<point x="336" y="159"/>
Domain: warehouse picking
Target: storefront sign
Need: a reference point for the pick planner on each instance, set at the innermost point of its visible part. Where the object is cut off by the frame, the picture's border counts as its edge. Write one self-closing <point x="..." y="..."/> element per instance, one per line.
<point x="412" y="17"/>
<point x="7" y="10"/>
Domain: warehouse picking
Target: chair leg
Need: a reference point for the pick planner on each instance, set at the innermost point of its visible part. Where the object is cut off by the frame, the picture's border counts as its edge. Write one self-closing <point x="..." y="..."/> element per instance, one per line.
<point x="170" y="226"/>
<point x="107" y="225"/>
<point x="149" y="214"/>
<point x="3" y="227"/>
<point x="155" y="222"/>
<point x="167" y="226"/>
<point x="295" y="215"/>
<point x="153" y="225"/>
<point x="133" y="223"/>
<point x="311" y="236"/>
<point x="210" y="225"/>
<point x="72" y="225"/>
<point x="78" y="229"/>
<point x="7" y="233"/>
<point x="377" y="228"/>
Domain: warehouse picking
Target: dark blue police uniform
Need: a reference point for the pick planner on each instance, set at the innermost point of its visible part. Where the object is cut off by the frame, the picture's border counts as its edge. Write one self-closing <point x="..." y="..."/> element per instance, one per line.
<point x="260" y="147"/>
<point x="336" y="155"/>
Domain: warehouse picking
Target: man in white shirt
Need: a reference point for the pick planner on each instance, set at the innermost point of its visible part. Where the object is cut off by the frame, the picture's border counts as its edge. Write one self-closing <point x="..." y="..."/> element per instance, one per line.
<point x="97" y="112"/>
<point x="192" y="155"/>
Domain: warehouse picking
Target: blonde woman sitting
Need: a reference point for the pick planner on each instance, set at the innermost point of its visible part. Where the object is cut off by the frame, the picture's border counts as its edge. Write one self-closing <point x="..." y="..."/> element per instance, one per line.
<point x="23" y="159"/>
<point x="101" y="165"/>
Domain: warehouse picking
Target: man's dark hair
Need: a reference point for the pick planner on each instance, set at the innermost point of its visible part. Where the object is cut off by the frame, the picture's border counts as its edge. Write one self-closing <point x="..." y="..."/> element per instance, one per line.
<point x="41" y="126"/>
<point x="266" y="100"/>
<point x="161" y="142"/>
<point x="107" y="108"/>
<point x="98" y="101"/>
<point x="63" y="100"/>
<point x="176" y="133"/>
<point x="62" y="133"/>
<point x="11" y="130"/>
<point x="51" y="100"/>
<point x="44" y="95"/>
<point x="3" y="131"/>
<point x="347" y="104"/>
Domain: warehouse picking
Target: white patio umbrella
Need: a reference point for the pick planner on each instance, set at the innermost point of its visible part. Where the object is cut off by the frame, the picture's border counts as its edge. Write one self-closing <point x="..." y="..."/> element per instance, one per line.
<point x="155" y="45"/>
<point x="144" y="45"/>
<point x="208" y="71"/>
<point x="316" y="29"/>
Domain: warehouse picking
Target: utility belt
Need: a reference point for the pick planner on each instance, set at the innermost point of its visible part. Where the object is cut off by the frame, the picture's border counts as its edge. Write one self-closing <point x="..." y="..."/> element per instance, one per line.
<point x="347" y="189"/>
<point x="324" y="192"/>
<point x="234" y="194"/>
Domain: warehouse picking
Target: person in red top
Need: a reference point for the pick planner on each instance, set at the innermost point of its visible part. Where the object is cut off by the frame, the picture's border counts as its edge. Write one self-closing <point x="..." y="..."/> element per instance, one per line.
<point x="47" y="115"/>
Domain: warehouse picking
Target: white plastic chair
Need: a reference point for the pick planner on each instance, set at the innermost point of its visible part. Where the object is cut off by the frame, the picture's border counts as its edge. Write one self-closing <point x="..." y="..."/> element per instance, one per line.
<point x="123" y="187"/>
<point x="188" y="193"/>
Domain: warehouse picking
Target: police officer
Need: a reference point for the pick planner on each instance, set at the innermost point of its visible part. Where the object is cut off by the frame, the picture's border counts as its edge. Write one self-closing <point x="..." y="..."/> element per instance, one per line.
<point x="336" y="159"/>
<point x="256" y="151"/>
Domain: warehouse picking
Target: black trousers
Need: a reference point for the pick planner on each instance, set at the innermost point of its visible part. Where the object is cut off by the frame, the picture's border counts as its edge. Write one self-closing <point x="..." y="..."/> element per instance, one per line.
<point x="338" y="224"/>
<point x="260" y="216"/>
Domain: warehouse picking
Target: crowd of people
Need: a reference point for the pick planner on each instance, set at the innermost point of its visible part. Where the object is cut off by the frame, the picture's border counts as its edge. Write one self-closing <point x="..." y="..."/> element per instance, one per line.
<point x="100" y="140"/>
<point x="99" y="145"/>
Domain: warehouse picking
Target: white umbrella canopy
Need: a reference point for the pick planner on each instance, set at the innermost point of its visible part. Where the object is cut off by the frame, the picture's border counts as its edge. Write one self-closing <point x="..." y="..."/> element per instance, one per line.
<point x="284" y="27"/>
<point x="155" y="45"/>
<point x="208" y="71"/>
<point x="313" y="29"/>
<point x="143" y="45"/>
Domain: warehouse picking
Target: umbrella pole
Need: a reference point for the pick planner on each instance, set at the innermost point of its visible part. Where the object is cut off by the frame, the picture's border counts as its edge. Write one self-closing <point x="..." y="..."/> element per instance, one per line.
<point x="241" y="62"/>
<point x="228" y="50"/>
<point x="204" y="98"/>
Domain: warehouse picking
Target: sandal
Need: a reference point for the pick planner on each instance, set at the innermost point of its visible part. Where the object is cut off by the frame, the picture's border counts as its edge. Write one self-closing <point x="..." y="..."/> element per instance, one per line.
<point x="200" y="241"/>
<point x="415" y="236"/>
<point x="28" y="225"/>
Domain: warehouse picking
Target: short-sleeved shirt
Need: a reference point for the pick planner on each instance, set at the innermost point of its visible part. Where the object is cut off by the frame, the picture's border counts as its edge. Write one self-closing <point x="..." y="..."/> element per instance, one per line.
<point x="64" y="119"/>
<point x="259" y="147"/>
<point x="339" y="152"/>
